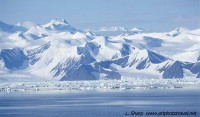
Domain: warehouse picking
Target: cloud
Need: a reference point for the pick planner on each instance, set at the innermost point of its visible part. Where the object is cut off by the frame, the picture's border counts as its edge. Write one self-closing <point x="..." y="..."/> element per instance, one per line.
<point x="26" y="24"/>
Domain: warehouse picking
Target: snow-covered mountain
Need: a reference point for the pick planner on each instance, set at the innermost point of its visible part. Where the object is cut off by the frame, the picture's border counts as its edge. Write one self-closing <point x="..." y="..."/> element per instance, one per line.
<point x="10" y="28"/>
<point x="137" y="30"/>
<point x="116" y="30"/>
<point x="59" y="25"/>
<point x="58" y="51"/>
<point x="178" y="31"/>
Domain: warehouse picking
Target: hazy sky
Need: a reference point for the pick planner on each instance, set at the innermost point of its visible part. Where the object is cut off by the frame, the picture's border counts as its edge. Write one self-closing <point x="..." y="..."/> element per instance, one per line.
<point x="158" y="15"/>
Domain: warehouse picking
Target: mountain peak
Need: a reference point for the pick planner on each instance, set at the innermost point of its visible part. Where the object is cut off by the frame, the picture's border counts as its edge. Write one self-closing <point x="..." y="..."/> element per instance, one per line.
<point x="59" y="25"/>
<point x="177" y="31"/>
<point x="136" y="30"/>
<point x="128" y="33"/>
<point x="181" y="29"/>
<point x="57" y="22"/>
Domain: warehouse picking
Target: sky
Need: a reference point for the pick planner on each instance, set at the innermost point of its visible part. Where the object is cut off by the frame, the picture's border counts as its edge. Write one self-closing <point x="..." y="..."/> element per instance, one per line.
<point x="157" y="15"/>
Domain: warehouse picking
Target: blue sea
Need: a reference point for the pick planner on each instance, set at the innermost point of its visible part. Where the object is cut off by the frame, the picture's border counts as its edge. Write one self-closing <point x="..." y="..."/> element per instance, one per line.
<point x="130" y="103"/>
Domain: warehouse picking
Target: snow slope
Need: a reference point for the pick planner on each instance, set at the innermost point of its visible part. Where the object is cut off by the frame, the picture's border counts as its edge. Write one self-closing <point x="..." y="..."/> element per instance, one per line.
<point x="58" y="51"/>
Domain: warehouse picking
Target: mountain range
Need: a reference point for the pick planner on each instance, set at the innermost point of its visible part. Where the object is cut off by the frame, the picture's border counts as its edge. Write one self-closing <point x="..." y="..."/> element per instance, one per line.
<point x="58" y="51"/>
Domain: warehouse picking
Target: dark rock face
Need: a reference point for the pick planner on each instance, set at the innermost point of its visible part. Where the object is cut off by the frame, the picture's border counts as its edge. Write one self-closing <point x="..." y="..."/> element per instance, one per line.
<point x="173" y="71"/>
<point x="113" y="75"/>
<point x="35" y="37"/>
<point x="198" y="75"/>
<point x="14" y="59"/>
<point x="87" y="51"/>
<point x="174" y="35"/>
<point x="176" y="69"/>
<point x="196" y="69"/>
<point x="142" y="64"/>
<point x="93" y="47"/>
<point x="64" y="67"/>
<point x="32" y="54"/>
<point x="105" y="64"/>
<point x="105" y="68"/>
<point x="153" y="42"/>
<point x="198" y="59"/>
<point x="156" y="58"/>
<point x="83" y="72"/>
<point x="76" y="70"/>
<point x="121" y="61"/>
<point x="80" y="68"/>
<point x="125" y="50"/>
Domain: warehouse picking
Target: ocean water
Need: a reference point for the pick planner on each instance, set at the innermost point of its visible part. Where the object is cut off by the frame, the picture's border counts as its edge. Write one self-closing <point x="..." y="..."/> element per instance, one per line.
<point x="130" y="103"/>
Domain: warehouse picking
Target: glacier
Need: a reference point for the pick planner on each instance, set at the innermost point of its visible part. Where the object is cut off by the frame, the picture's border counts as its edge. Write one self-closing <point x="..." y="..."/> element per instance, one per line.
<point x="99" y="85"/>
